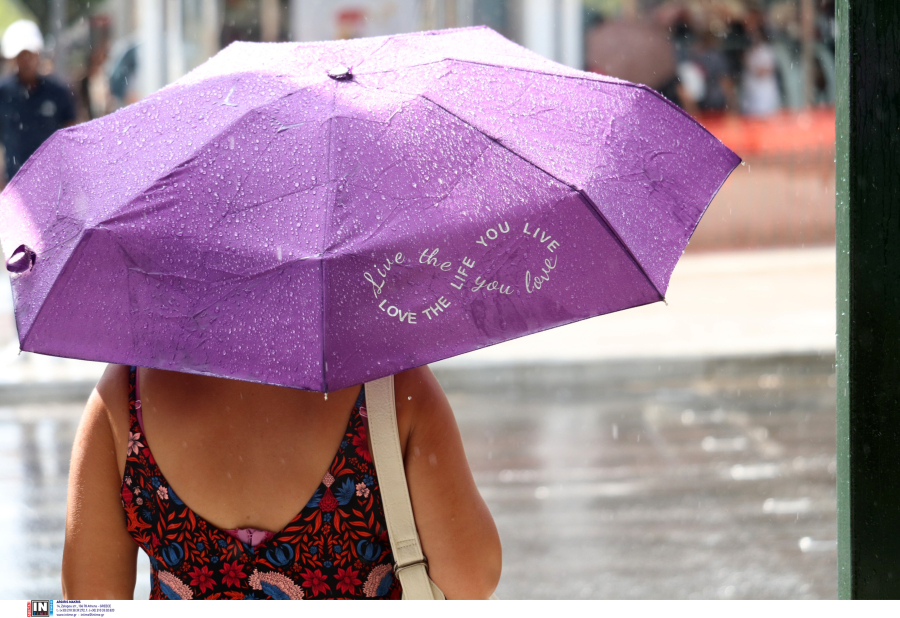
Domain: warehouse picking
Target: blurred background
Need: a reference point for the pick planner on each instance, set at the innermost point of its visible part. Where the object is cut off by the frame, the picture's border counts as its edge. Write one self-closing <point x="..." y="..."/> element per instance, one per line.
<point x="671" y="451"/>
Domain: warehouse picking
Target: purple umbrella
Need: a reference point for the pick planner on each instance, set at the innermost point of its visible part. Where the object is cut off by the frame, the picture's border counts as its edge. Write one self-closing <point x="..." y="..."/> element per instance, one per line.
<point x="319" y="215"/>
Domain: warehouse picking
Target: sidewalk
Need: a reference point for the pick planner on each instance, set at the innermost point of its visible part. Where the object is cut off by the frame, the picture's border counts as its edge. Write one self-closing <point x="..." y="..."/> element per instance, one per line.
<point x="724" y="304"/>
<point x="747" y="303"/>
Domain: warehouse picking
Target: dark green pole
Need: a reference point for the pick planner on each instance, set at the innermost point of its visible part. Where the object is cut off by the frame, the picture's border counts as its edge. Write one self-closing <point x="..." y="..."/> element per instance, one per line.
<point x="868" y="298"/>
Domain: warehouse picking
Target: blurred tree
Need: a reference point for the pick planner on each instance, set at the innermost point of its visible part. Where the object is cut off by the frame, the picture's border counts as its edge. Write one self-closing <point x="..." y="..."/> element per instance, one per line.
<point x="43" y="9"/>
<point x="10" y="11"/>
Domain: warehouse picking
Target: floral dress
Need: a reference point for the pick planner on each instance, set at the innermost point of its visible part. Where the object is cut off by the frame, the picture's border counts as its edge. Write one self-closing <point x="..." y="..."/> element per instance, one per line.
<point x="335" y="548"/>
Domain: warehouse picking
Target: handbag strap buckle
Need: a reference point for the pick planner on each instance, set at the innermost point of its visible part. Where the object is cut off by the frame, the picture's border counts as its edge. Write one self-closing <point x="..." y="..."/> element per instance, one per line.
<point x="399" y="567"/>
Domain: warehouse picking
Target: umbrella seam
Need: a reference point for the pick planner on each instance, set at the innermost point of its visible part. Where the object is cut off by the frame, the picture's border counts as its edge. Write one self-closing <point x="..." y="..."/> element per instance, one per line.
<point x="387" y="40"/>
<point x="409" y="35"/>
<point x="186" y="160"/>
<point x="605" y="80"/>
<point x="584" y="196"/>
<point x="573" y="187"/>
<point x="68" y="259"/>
<point x="269" y="146"/>
<point x="17" y="178"/>
<point x="587" y="76"/>
<point x="325" y="218"/>
<point x="60" y="277"/>
<point x="336" y="250"/>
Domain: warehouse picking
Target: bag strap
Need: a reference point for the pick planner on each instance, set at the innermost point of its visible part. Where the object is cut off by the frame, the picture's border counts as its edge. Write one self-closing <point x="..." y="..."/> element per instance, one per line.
<point x="409" y="561"/>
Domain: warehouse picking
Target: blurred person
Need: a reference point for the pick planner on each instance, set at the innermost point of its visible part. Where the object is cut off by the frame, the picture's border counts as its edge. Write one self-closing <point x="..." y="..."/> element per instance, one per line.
<point x="95" y="96"/>
<point x="825" y="24"/>
<point x="735" y="43"/>
<point x="688" y="85"/>
<point x="760" y="95"/>
<point x="123" y="68"/>
<point x="32" y="106"/>
<point x="718" y="92"/>
<point x="677" y="19"/>
<point x="691" y="86"/>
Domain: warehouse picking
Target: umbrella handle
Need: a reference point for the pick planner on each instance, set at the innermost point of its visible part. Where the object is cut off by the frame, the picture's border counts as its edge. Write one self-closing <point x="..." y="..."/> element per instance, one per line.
<point x="21" y="260"/>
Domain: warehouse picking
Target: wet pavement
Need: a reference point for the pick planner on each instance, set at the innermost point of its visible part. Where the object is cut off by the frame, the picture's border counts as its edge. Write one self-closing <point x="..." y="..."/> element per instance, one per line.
<point x="618" y="479"/>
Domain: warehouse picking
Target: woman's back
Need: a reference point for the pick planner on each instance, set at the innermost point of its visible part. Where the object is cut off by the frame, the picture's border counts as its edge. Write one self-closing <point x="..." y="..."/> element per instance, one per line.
<point x="242" y="455"/>
<point x="335" y="544"/>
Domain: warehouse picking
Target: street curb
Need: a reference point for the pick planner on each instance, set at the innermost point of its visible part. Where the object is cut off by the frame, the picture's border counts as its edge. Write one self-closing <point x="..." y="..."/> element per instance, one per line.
<point x="596" y="377"/>
<point x="45" y="392"/>
<point x="530" y="378"/>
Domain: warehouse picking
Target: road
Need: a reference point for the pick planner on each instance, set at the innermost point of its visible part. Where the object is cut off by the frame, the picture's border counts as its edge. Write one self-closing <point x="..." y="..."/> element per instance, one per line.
<point x="628" y="479"/>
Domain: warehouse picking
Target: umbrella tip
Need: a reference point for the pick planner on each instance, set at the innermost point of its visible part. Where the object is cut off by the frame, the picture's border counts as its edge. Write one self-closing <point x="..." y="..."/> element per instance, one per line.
<point x="340" y="72"/>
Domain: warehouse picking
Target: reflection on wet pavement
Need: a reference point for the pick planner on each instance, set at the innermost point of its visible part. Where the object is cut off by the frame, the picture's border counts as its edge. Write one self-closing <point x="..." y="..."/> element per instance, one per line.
<point x="691" y="479"/>
<point x="35" y="444"/>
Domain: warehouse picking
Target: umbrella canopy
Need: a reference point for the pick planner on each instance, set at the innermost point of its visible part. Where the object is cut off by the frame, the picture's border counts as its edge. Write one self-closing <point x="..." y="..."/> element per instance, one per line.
<point x="319" y="215"/>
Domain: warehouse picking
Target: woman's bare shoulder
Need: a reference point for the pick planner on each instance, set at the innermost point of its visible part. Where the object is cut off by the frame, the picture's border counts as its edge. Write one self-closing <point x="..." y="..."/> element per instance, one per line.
<point x="419" y="399"/>
<point x="99" y="554"/>
<point x="110" y="400"/>
<point x="417" y="381"/>
<point x="456" y="529"/>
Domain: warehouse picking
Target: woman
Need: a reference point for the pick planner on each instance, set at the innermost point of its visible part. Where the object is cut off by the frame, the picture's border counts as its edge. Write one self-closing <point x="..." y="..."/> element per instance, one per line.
<point x="276" y="493"/>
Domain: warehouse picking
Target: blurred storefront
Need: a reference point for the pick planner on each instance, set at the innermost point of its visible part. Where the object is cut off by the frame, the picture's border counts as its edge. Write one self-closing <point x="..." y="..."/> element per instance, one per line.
<point x="753" y="57"/>
<point x="174" y="36"/>
<point x="759" y="74"/>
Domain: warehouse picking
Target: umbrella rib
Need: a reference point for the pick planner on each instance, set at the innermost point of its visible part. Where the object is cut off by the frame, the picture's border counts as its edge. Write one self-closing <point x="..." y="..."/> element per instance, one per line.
<point x="400" y="202"/>
<point x="407" y="35"/>
<point x="325" y="218"/>
<point x="573" y="187"/>
<point x="272" y="141"/>
<point x="589" y="76"/>
<point x="60" y="277"/>
<point x="246" y="207"/>
<point x="387" y="40"/>
<point x="13" y="183"/>
<point x="185" y="161"/>
<point x="586" y="76"/>
<point x="590" y="202"/>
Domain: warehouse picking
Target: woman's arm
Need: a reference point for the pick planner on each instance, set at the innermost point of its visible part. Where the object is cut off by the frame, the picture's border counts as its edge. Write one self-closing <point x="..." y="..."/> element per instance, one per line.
<point x="99" y="557"/>
<point x="458" y="534"/>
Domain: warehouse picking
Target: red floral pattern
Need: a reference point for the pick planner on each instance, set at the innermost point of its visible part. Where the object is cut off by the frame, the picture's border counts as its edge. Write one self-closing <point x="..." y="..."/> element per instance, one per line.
<point x="232" y="573"/>
<point x="336" y="547"/>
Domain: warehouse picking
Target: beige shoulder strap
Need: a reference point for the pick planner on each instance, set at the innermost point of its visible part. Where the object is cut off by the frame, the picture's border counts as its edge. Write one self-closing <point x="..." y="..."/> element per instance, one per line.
<point x="409" y="561"/>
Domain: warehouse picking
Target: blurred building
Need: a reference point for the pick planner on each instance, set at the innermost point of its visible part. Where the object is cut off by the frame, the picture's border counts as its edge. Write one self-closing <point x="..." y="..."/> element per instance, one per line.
<point x="160" y="40"/>
<point x="741" y="56"/>
<point x="759" y="74"/>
